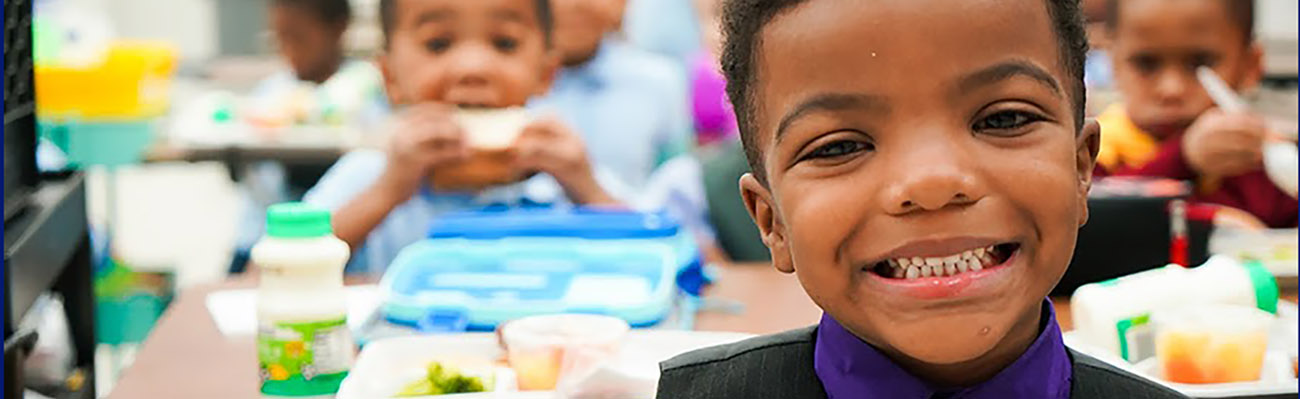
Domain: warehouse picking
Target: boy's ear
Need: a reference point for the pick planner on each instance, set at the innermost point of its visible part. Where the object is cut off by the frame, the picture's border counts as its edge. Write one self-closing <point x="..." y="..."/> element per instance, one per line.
<point x="391" y="90"/>
<point x="758" y="201"/>
<point x="340" y="31"/>
<point x="550" y="68"/>
<point x="1252" y="64"/>
<point x="1085" y="158"/>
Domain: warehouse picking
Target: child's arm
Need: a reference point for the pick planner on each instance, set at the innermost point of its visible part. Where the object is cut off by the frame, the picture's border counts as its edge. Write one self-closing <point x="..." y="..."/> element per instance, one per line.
<point x="425" y="138"/>
<point x="549" y="146"/>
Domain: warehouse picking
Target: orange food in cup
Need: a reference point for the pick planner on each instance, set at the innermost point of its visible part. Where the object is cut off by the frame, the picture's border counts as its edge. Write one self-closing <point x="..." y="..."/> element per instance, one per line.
<point x="1212" y="344"/>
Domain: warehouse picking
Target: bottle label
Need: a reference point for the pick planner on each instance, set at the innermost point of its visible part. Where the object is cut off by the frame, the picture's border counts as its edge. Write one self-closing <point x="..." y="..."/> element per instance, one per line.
<point x="303" y="358"/>
<point x="1136" y="338"/>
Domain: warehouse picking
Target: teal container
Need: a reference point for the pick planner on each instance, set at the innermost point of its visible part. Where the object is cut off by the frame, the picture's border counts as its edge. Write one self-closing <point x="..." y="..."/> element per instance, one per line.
<point x="101" y="143"/>
<point x="127" y="320"/>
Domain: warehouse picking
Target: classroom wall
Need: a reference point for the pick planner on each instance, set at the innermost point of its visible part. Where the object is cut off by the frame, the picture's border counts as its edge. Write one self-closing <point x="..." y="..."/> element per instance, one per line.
<point x="205" y="29"/>
<point x="1276" y="27"/>
<point x="190" y="24"/>
<point x="1277" y="18"/>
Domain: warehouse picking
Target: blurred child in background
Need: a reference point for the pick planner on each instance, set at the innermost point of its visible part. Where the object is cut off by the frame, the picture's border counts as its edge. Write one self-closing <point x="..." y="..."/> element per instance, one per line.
<point x="320" y="87"/>
<point x="440" y="55"/>
<point x="309" y="34"/>
<point x="632" y="108"/>
<point x="629" y="105"/>
<point x="1168" y="126"/>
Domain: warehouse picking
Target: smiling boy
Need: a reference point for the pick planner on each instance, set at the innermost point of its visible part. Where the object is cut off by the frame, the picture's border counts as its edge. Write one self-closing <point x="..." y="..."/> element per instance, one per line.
<point x="922" y="167"/>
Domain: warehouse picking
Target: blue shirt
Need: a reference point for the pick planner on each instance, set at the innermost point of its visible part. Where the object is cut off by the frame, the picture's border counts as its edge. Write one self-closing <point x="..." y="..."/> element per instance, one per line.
<point x="409" y="222"/>
<point x="851" y="368"/>
<point x="629" y="105"/>
<point x="668" y="27"/>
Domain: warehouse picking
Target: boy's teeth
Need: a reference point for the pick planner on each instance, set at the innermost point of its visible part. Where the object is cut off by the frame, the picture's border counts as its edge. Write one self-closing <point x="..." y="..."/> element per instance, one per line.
<point x="917" y="267"/>
<point x="951" y="260"/>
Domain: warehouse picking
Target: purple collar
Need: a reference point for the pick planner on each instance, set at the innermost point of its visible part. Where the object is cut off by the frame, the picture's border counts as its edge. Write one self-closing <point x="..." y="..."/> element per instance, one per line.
<point x="850" y="368"/>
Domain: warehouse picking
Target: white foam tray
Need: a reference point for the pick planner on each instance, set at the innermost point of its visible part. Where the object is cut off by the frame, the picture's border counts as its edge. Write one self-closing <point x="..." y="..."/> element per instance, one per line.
<point x="387" y="365"/>
<point x="1277" y="377"/>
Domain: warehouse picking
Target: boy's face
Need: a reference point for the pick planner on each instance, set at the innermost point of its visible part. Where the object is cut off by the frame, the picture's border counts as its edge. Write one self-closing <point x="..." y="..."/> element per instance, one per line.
<point x="904" y="129"/>
<point x="1158" y="44"/>
<point x="580" y="25"/>
<point x="481" y="53"/>
<point x="312" y="47"/>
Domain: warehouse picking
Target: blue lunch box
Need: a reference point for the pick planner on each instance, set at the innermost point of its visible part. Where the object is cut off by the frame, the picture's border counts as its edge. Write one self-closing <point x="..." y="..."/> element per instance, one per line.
<point x="479" y="269"/>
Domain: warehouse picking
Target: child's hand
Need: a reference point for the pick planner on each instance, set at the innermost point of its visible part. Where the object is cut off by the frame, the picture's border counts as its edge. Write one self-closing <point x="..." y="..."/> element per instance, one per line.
<point x="548" y="146"/>
<point x="425" y="138"/>
<point x="1223" y="144"/>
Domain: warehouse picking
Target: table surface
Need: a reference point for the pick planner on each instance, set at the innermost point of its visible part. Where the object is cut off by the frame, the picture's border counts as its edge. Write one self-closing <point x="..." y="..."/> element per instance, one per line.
<point x="187" y="357"/>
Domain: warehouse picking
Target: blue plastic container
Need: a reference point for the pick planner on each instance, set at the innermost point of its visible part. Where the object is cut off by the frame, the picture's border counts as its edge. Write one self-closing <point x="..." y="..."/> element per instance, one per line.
<point x="479" y="269"/>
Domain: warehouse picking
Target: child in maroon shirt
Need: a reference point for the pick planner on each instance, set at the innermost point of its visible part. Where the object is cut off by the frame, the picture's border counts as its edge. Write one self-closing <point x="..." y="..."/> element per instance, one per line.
<point x="1168" y="126"/>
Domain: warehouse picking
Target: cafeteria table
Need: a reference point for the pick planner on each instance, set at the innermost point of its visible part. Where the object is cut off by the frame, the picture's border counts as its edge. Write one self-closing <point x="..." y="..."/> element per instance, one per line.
<point x="187" y="357"/>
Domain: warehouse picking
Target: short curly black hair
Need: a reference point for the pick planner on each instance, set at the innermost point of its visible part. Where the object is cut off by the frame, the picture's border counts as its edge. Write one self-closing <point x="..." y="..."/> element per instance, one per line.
<point x="388" y="18"/>
<point x="330" y="11"/>
<point x="743" y="22"/>
<point x="1242" y="13"/>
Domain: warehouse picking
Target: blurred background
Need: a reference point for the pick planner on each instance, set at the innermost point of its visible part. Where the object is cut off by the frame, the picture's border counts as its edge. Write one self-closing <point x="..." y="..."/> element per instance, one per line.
<point x="172" y="125"/>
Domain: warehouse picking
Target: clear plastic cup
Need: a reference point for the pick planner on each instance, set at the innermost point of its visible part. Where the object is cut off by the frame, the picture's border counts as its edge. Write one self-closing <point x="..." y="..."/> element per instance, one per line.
<point x="1210" y="344"/>
<point x="544" y="350"/>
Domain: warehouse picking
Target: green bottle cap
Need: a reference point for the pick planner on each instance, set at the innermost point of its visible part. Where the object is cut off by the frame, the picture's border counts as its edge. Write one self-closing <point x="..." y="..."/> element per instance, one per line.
<point x="297" y="220"/>
<point x="1265" y="286"/>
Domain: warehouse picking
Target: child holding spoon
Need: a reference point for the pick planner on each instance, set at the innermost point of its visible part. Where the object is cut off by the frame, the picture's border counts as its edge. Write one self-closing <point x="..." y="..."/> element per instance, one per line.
<point x="1169" y="126"/>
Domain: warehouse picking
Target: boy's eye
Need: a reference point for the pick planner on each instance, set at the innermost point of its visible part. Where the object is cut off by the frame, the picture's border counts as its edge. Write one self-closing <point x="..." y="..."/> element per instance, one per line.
<point x="1204" y="59"/>
<point x="1005" y="121"/>
<point x="505" y="44"/>
<point x="839" y="149"/>
<point x="1145" y="63"/>
<point x="438" y="45"/>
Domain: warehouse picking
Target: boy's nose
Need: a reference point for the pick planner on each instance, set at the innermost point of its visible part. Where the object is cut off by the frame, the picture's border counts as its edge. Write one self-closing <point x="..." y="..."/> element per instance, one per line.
<point x="931" y="181"/>
<point x="471" y="66"/>
<point x="1172" y="86"/>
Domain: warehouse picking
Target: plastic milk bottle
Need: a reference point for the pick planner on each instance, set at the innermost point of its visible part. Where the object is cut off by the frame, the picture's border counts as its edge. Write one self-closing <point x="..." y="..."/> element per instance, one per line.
<point x="304" y="347"/>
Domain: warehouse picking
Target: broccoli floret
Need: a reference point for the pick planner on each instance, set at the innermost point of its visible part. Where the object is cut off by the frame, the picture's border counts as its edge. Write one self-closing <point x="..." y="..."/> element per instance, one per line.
<point x="441" y="380"/>
<point x="435" y="372"/>
<point x="461" y="384"/>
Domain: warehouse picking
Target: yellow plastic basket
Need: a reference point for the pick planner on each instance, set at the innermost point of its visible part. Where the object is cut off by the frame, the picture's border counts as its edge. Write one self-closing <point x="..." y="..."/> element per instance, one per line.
<point x="132" y="83"/>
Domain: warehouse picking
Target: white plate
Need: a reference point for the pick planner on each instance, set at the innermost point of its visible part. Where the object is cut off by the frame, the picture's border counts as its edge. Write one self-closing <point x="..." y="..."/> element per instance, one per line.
<point x="387" y="365"/>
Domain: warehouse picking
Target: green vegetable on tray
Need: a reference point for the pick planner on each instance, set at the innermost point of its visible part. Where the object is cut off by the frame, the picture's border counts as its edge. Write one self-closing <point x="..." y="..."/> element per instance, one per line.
<point x="442" y="380"/>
